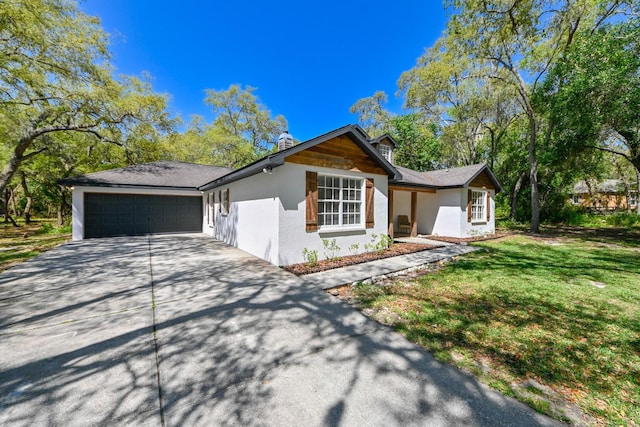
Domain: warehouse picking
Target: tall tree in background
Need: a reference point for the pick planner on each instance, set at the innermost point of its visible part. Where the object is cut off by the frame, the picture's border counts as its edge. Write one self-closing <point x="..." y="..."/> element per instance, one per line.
<point x="418" y="145"/>
<point x="209" y="144"/>
<point x="523" y="39"/>
<point x="240" y="113"/>
<point x="55" y="77"/>
<point x="456" y="91"/>
<point x="372" y="114"/>
<point x="593" y="95"/>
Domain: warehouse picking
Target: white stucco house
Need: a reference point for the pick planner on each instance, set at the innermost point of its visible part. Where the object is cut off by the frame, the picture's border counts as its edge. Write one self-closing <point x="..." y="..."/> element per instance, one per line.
<point x="342" y="185"/>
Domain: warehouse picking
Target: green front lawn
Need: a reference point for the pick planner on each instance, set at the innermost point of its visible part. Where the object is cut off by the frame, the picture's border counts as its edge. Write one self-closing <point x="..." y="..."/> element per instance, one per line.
<point x="27" y="241"/>
<point x="547" y="320"/>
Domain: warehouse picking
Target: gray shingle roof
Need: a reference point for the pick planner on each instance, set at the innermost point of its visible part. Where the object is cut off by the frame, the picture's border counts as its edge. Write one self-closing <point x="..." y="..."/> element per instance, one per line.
<point x="606" y="186"/>
<point x="156" y="174"/>
<point x="445" y="178"/>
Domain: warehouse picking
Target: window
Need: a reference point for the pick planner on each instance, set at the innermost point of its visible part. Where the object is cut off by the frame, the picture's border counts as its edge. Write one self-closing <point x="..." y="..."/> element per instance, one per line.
<point x="478" y="206"/>
<point x="575" y="199"/>
<point x="210" y="208"/>
<point x="386" y="152"/>
<point x="224" y="201"/>
<point x="633" y="199"/>
<point x="339" y="201"/>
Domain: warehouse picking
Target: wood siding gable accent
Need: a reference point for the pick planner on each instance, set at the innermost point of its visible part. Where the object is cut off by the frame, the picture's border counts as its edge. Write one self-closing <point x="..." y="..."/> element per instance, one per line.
<point x="338" y="153"/>
<point x="312" y="201"/>
<point x="482" y="181"/>
<point x="369" y="213"/>
<point x="469" y="204"/>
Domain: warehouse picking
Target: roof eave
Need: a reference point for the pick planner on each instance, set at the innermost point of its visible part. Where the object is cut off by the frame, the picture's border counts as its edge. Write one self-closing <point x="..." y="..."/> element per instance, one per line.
<point x="429" y="186"/>
<point x="70" y="183"/>
<point x="247" y="171"/>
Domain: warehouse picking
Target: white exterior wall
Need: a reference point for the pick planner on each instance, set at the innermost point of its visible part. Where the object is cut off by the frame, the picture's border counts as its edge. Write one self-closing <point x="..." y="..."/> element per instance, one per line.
<point x="443" y="213"/>
<point x="293" y="237"/>
<point x="451" y="216"/>
<point x="482" y="227"/>
<point x="427" y="212"/>
<point x="252" y="222"/>
<point x="451" y="213"/>
<point x="77" y="203"/>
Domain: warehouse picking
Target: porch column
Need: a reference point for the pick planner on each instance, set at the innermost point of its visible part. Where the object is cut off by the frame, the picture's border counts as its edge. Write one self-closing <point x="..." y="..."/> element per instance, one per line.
<point x="390" y="213"/>
<point x="414" y="218"/>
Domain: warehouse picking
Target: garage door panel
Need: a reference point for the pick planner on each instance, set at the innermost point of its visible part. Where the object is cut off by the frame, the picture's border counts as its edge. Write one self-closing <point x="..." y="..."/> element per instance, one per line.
<point x="108" y="215"/>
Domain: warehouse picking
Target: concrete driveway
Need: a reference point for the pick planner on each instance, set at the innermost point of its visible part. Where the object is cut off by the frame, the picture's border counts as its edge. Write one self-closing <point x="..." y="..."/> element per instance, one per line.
<point x="184" y="330"/>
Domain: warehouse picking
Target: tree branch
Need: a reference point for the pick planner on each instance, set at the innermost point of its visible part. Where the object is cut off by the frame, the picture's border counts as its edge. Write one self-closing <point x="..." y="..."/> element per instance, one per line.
<point x="609" y="150"/>
<point x="33" y="153"/>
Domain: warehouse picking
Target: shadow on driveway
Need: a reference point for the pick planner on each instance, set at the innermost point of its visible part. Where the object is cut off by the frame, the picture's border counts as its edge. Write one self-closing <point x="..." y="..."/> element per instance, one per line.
<point x="237" y="342"/>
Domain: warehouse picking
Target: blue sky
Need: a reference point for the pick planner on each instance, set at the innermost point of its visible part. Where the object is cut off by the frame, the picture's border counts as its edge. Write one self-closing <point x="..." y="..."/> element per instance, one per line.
<point x="309" y="60"/>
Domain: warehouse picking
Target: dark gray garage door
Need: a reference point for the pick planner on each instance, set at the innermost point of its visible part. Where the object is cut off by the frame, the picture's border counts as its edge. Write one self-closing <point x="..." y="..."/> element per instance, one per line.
<point x="108" y="215"/>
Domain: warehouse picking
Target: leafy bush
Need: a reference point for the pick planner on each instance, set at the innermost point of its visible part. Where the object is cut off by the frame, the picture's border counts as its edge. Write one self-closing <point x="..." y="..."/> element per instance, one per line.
<point x="354" y="249"/>
<point x="623" y="219"/>
<point x="331" y="249"/>
<point x="378" y="245"/>
<point x="310" y="257"/>
<point x="45" y="228"/>
<point x="579" y="216"/>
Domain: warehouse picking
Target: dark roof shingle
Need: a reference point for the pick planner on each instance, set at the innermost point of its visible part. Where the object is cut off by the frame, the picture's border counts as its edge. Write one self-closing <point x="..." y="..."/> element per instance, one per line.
<point x="445" y="178"/>
<point x="155" y="174"/>
<point x="607" y="186"/>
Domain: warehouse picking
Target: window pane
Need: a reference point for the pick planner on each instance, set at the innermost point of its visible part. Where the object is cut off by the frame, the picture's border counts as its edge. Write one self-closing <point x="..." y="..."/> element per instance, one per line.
<point x="478" y="205"/>
<point x="339" y="201"/>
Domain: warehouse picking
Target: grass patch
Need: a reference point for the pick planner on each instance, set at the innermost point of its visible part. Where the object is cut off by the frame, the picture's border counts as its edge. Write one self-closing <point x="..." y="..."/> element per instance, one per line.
<point x="564" y="313"/>
<point x="27" y="241"/>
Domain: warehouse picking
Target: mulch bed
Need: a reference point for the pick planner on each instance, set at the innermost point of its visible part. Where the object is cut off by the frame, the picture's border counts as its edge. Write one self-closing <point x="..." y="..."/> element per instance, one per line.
<point x="467" y="239"/>
<point x="394" y="250"/>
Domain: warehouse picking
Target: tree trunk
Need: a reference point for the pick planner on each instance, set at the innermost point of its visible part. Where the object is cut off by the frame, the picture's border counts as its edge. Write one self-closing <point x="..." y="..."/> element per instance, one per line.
<point x="14" y="163"/>
<point x="63" y="208"/>
<point x="533" y="177"/>
<point x="13" y="201"/>
<point x="5" y="206"/>
<point x="516" y="194"/>
<point x="60" y="214"/>
<point x="29" y="205"/>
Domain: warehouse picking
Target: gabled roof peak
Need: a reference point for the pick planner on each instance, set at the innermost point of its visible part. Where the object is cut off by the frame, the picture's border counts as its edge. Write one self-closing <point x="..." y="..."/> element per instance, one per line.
<point x="381" y="138"/>
<point x="457" y="177"/>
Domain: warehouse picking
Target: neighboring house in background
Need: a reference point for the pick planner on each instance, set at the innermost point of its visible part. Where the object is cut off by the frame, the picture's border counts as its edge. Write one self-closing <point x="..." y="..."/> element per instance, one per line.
<point x="341" y="185"/>
<point x="608" y="195"/>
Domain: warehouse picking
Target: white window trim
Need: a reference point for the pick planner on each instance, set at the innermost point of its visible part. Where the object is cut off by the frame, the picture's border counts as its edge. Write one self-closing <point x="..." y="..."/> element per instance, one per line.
<point x="633" y="199"/>
<point x="341" y="226"/>
<point x="575" y="199"/>
<point x="479" y="217"/>
<point x="386" y="152"/>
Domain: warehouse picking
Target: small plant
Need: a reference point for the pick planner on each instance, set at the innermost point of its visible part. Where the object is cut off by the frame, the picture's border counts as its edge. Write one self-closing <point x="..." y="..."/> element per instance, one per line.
<point x="45" y="228"/>
<point x="354" y="249"/>
<point x="378" y="244"/>
<point x="384" y="243"/>
<point x="370" y="247"/>
<point x="310" y="257"/>
<point x="331" y="249"/>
